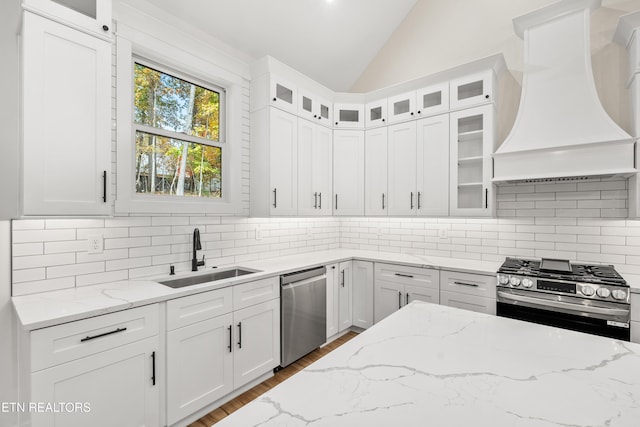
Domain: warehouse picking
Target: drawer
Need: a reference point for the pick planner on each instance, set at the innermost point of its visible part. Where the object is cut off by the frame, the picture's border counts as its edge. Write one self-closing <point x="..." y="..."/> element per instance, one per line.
<point x="635" y="332"/>
<point x="468" y="302"/>
<point x="467" y="283"/>
<point x="251" y="293"/>
<point x="196" y="308"/>
<point x="69" y="341"/>
<point x="635" y="307"/>
<point x="414" y="276"/>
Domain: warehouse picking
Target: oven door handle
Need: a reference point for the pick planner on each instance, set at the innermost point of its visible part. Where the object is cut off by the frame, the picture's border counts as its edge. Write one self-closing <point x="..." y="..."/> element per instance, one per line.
<point x="564" y="305"/>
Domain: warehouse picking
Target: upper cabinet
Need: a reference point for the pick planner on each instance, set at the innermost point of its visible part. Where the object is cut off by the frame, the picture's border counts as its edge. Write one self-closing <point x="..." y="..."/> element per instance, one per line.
<point x="348" y="116"/>
<point x="432" y="100"/>
<point x="402" y="107"/>
<point x="472" y="90"/>
<point x="472" y="133"/>
<point x="283" y="95"/>
<point x="66" y="117"/>
<point x="314" y="108"/>
<point x="348" y="172"/>
<point x="315" y="168"/>
<point x="93" y="16"/>
<point x="376" y="113"/>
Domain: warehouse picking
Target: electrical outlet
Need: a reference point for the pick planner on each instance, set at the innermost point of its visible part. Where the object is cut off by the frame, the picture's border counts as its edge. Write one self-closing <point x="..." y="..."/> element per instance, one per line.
<point x="443" y="233"/>
<point x="95" y="244"/>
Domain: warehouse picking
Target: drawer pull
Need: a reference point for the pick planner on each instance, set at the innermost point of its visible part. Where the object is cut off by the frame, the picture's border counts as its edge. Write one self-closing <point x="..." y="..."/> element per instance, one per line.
<point x="407" y="298"/>
<point x="399" y="300"/>
<point x="153" y="368"/>
<point x="229" y="346"/>
<point x="239" y="334"/>
<point x="410" y="276"/>
<point x="88" y="338"/>
<point x="473" y="285"/>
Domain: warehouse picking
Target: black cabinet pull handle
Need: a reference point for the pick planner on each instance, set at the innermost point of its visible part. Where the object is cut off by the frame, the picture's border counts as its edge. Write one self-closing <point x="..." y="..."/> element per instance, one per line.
<point x="342" y="283"/>
<point x="383" y="120"/>
<point x="382" y="201"/>
<point x="486" y="96"/>
<point x="229" y="346"/>
<point x="407" y="298"/>
<point x="399" y="300"/>
<point x="473" y="285"/>
<point x="275" y="197"/>
<point x="315" y="200"/>
<point x="412" y="200"/>
<point x="419" y="200"/>
<point x="105" y="28"/>
<point x="239" y="334"/>
<point x="319" y="200"/>
<point x="410" y="276"/>
<point x="412" y="113"/>
<point x="89" y="338"/>
<point x="486" y="198"/>
<point x="104" y="186"/>
<point x="336" y="202"/>
<point x="153" y="368"/>
<point x="275" y="99"/>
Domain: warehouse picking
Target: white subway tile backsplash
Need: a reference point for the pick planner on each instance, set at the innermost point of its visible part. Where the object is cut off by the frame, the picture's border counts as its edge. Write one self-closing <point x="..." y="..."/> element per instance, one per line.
<point x="96" y="278"/>
<point x="28" y="236"/>
<point x="74" y="269"/>
<point x="22" y="249"/>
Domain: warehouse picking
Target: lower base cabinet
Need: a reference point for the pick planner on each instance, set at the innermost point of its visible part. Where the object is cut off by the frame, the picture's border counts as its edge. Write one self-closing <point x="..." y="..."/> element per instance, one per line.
<point x="345" y="295"/>
<point x="474" y="292"/>
<point x="397" y="285"/>
<point x="362" y="294"/>
<point x="333" y="299"/>
<point x="213" y="349"/>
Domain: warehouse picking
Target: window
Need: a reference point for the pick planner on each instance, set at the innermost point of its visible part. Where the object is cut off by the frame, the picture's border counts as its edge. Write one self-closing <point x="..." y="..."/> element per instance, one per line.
<point x="179" y="135"/>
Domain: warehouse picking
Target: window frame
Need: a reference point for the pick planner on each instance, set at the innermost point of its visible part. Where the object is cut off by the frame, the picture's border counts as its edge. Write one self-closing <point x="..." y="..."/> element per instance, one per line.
<point x="220" y="143"/>
<point x="157" y="54"/>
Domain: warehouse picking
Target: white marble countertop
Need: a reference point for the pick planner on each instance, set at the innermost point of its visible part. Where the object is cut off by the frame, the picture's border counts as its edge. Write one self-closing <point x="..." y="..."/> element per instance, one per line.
<point x="51" y="308"/>
<point x="439" y="366"/>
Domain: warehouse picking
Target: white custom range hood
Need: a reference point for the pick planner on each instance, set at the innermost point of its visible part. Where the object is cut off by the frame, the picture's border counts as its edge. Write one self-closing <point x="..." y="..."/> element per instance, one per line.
<point x="561" y="131"/>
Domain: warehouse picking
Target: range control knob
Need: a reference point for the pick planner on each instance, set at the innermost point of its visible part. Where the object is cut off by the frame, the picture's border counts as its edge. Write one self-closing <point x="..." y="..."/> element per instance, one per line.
<point x="502" y="279"/>
<point x="619" y="294"/>
<point x="527" y="283"/>
<point x="603" y="292"/>
<point x="587" y="290"/>
<point x="514" y="281"/>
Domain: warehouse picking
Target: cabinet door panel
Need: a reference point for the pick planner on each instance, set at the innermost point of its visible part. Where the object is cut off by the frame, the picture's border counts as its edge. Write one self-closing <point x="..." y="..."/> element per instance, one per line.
<point x="66" y="120"/>
<point x="362" y="283"/>
<point x="348" y="172"/>
<point x="345" y="292"/>
<point x="333" y="299"/>
<point x="389" y="298"/>
<point x="116" y="383"/>
<point x="88" y="15"/>
<point x="418" y="293"/>
<point x="402" y="169"/>
<point x="376" y="197"/>
<point x="199" y="366"/>
<point x="468" y="302"/>
<point x="307" y="196"/>
<point x="283" y="163"/>
<point x="322" y="169"/>
<point x="433" y="165"/>
<point x="256" y="341"/>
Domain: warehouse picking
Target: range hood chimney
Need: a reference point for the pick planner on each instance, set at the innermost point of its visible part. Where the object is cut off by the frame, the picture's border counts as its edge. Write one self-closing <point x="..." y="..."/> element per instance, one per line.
<point x="561" y="130"/>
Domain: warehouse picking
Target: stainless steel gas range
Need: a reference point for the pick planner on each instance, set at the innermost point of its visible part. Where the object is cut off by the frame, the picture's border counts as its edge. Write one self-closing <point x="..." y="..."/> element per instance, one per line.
<point x="581" y="297"/>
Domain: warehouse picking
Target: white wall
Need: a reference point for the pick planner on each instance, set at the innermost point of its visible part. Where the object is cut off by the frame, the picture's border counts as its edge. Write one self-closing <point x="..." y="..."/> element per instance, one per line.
<point x="8" y="345"/>
<point x="440" y="34"/>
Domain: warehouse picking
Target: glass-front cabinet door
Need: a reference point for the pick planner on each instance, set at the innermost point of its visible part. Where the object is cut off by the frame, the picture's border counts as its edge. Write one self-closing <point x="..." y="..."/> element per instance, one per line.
<point x="472" y="90"/>
<point x="348" y="116"/>
<point x="432" y="100"/>
<point x="472" y="142"/>
<point x="283" y="95"/>
<point x="92" y="16"/>
<point x="314" y="108"/>
<point x="376" y="113"/>
<point x="402" y="107"/>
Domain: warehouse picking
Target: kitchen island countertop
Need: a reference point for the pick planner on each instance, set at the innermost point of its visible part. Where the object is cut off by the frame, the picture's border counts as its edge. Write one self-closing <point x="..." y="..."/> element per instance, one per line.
<point x="431" y="365"/>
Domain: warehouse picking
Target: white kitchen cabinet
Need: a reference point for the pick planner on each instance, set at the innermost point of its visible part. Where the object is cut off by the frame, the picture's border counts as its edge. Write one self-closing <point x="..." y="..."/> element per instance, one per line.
<point x="257" y="341"/>
<point x="432" y="138"/>
<point x="401" y="156"/>
<point x="348" y="172"/>
<point x="315" y="168"/>
<point x="375" y="169"/>
<point x="472" y="137"/>
<point x="345" y="293"/>
<point x="314" y="108"/>
<point x="398" y="285"/>
<point x="376" y="113"/>
<point x="362" y="294"/>
<point x="333" y="299"/>
<point x="283" y="94"/>
<point x="348" y="116"/>
<point x="274" y="163"/>
<point x="91" y="16"/>
<point x="432" y="100"/>
<point x="635" y="317"/>
<point x="109" y="361"/>
<point x="199" y="366"/>
<point x="66" y="120"/>
<point x="468" y="291"/>
<point x="402" y="107"/>
<point x="472" y="90"/>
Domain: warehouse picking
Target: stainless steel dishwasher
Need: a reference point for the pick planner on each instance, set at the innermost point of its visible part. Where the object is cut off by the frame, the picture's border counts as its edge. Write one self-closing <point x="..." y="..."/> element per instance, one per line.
<point x="303" y="311"/>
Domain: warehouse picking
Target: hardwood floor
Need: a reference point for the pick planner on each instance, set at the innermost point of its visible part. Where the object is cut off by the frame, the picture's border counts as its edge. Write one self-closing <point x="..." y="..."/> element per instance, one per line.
<point x="246" y="397"/>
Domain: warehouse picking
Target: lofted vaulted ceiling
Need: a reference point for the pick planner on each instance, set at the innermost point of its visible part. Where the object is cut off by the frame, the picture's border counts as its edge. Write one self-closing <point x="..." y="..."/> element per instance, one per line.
<point x="331" y="41"/>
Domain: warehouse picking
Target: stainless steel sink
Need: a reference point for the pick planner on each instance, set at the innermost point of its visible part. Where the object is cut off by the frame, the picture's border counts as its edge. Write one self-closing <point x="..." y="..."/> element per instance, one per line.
<point x="208" y="277"/>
